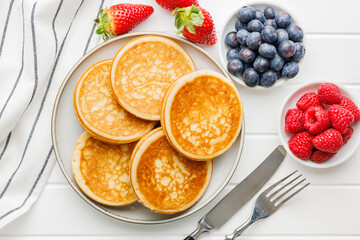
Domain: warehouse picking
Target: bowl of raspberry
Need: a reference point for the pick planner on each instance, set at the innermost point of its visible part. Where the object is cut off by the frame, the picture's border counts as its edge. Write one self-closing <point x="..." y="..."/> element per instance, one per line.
<point x="319" y="124"/>
<point x="261" y="45"/>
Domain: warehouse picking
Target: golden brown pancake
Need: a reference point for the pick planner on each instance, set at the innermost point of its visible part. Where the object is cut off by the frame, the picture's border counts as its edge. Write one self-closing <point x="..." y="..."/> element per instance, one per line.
<point x="99" y="113"/>
<point x="162" y="179"/>
<point x="202" y="115"/>
<point x="102" y="170"/>
<point x="142" y="72"/>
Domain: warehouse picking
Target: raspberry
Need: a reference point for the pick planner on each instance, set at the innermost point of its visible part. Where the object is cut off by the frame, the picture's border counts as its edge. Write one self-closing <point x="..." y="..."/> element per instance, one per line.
<point x="346" y="136"/>
<point x="308" y="100"/>
<point x="350" y="105"/>
<point x="320" y="156"/>
<point x="316" y="120"/>
<point x="328" y="141"/>
<point x="329" y="93"/>
<point x="294" y="121"/>
<point x="301" y="145"/>
<point x="340" y="117"/>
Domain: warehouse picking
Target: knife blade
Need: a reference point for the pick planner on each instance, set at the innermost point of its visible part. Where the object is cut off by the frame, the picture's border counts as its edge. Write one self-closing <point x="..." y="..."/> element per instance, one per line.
<point x="240" y="195"/>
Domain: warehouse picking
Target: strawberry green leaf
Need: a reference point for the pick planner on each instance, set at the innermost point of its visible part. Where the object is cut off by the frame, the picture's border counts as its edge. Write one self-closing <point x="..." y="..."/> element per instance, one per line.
<point x="99" y="31"/>
<point x="188" y="17"/>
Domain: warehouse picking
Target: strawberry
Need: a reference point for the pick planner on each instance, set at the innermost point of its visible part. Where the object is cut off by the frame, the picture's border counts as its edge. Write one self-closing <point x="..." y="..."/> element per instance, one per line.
<point x="301" y="145"/>
<point x="320" y="156"/>
<point x="329" y="93"/>
<point x="340" y="118"/>
<point x="195" y="24"/>
<point x="170" y="5"/>
<point x="346" y="136"/>
<point x="328" y="141"/>
<point x="294" y="121"/>
<point x="350" y="105"/>
<point x="316" y="120"/>
<point x="308" y="100"/>
<point x="121" y="18"/>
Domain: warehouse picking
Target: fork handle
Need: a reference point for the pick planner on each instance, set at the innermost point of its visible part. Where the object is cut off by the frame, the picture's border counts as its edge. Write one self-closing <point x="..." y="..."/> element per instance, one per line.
<point x="239" y="230"/>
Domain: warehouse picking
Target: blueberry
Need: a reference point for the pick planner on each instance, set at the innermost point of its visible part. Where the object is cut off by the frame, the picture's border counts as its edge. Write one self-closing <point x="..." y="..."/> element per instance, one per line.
<point x="283" y="19"/>
<point x="246" y="66"/>
<point x="235" y="66"/>
<point x="254" y="40"/>
<point x="286" y="49"/>
<point x="251" y="77"/>
<point x="269" y="34"/>
<point x="267" y="50"/>
<point x="239" y="25"/>
<point x="259" y="16"/>
<point x="270" y="22"/>
<point x="246" y="14"/>
<point x="261" y="64"/>
<point x="277" y="62"/>
<point x="295" y="33"/>
<point x="282" y="36"/>
<point x="254" y="26"/>
<point x="232" y="53"/>
<point x="247" y="55"/>
<point x="268" y="78"/>
<point x="279" y="74"/>
<point x="242" y="35"/>
<point x="300" y="52"/>
<point x="231" y="40"/>
<point x="290" y="70"/>
<point x="242" y="46"/>
<point x="269" y="13"/>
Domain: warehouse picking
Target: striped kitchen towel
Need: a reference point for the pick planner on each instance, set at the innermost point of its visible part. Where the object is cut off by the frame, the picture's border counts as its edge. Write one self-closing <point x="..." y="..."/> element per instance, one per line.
<point x="40" y="41"/>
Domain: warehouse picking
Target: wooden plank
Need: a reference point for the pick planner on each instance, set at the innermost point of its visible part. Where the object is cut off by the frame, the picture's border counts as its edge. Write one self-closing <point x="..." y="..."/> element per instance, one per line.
<point x="319" y="210"/>
<point x="321" y="16"/>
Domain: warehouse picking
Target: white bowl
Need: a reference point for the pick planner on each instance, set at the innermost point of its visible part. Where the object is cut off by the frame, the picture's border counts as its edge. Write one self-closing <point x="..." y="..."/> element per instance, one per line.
<point x="230" y="26"/>
<point x="344" y="153"/>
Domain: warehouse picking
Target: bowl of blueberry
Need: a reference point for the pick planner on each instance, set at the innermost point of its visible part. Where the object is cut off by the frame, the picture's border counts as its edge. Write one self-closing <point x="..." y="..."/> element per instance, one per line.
<point x="261" y="45"/>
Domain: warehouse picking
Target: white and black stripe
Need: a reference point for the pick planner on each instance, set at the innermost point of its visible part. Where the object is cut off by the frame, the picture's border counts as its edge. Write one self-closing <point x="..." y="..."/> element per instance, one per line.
<point x="39" y="97"/>
<point x="5" y="26"/>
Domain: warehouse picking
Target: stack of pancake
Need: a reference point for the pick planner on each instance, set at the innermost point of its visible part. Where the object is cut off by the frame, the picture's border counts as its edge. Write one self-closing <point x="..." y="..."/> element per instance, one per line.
<point x="120" y="158"/>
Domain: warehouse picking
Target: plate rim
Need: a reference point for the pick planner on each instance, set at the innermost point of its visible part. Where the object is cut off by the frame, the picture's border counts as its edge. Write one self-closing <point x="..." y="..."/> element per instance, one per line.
<point x="60" y="161"/>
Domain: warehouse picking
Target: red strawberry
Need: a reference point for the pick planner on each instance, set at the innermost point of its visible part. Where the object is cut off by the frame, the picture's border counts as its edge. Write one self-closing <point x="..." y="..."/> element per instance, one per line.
<point x="346" y="136"/>
<point x="308" y="100"/>
<point x="350" y="105"/>
<point x="294" y="121"/>
<point x="121" y="18"/>
<point x="340" y="117"/>
<point x="170" y="5"/>
<point x="328" y="141"/>
<point x="329" y="93"/>
<point x="301" y="145"/>
<point x="316" y="120"/>
<point x="320" y="156"/>
<point x="196" y="24"/>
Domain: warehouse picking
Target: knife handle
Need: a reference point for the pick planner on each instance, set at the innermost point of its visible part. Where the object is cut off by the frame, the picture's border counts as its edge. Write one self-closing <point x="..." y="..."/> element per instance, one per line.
<point x="202" y="228"/>
<point x="189" y="238"/>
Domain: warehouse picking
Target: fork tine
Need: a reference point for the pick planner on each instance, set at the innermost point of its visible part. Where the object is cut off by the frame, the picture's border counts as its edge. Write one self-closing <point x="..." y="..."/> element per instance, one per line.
<point x="287" y="191"/>
<point x="266" y="191"/>
<point x="285" y="185"/>
<point x="296" y="192"/>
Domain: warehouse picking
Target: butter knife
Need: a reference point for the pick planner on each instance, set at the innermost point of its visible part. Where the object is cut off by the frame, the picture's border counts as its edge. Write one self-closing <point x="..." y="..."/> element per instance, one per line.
<point x="240" y="195"/>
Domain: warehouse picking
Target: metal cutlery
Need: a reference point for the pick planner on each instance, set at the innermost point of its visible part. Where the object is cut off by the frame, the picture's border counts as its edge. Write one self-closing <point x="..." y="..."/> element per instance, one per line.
<point x="269" y="201"/>
<point x="240" y="195"/>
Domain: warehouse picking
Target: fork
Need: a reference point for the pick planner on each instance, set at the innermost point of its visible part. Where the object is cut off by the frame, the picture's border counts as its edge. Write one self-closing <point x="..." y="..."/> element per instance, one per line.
<point x="266" y="204"/>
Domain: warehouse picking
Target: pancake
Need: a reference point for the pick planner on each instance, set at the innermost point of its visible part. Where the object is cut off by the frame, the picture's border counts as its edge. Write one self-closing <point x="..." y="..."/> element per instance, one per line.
<point x="102" y="170"/>
<point x="99" y="113"/>
<point x="162" y="179"/>
<point x="202" y="115"/>
<point x="142" y="72"/>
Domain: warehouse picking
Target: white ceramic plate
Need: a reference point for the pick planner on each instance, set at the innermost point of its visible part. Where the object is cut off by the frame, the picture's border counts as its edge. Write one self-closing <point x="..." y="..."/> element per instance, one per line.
<point x="344" y="153"/>
<point x="230" y="26"/>
<point x="66" y="130"/>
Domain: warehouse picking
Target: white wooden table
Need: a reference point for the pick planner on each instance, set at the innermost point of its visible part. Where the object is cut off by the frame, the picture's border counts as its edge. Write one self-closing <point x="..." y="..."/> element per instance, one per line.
<point x="328" y="209"/>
